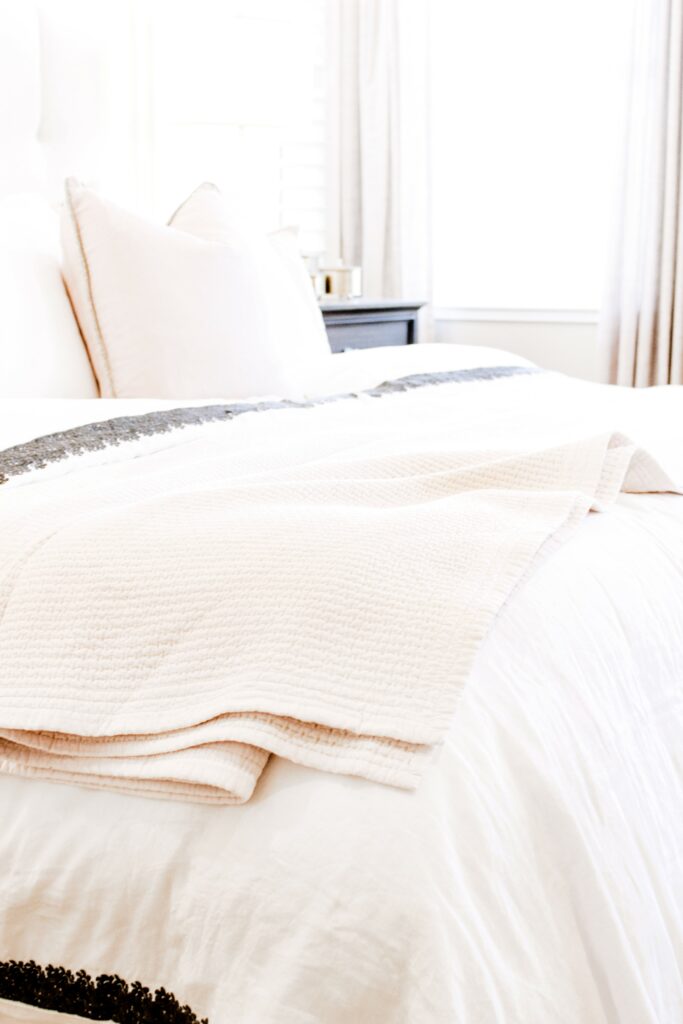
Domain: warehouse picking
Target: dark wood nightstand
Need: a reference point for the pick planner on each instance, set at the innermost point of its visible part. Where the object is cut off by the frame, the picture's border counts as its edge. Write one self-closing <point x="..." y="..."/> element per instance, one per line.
<point x="367" y="323"/>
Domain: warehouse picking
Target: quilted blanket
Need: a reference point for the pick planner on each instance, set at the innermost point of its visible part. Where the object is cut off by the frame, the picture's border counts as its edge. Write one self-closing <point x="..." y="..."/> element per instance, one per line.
<point x="183" y="593"/>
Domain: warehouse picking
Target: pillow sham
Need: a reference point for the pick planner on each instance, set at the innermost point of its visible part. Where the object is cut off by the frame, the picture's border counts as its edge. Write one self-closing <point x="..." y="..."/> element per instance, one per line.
<point x="41" y="350"/>
<point x="297" y="317"/>
<point x="202" y="307"/>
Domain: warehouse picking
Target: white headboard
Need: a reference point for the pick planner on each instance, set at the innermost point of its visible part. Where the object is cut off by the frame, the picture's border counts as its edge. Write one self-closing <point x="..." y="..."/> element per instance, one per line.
<point x="56" y="80"/>
<point x="62" y="113"/>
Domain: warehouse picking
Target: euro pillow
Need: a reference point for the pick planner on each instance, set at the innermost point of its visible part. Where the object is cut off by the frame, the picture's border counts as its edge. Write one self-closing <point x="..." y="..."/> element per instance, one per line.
<point x="293" y="305"/>
<point x="201" y="307"/>
<point x="42" y="354"/>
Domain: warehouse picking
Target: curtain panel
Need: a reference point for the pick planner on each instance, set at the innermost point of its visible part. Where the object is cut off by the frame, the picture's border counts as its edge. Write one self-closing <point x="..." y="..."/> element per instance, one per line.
<point x="642" y="320"/>
<point x="379" y="144"/>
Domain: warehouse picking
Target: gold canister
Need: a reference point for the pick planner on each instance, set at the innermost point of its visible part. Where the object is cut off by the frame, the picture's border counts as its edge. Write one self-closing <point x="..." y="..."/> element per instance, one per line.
<point x="343" y="281"/>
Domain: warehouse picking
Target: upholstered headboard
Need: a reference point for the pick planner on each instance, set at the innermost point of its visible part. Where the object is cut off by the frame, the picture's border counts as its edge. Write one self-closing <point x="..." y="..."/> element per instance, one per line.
<point x="61" y="64"/>
<point x="58" y="74"/>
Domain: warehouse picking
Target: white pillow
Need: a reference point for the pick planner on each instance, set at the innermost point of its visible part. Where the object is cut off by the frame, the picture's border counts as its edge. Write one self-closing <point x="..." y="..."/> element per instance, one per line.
<point x="198" y="308"/>
<point x="41" y="350"/>
<point x="205" y="214"/>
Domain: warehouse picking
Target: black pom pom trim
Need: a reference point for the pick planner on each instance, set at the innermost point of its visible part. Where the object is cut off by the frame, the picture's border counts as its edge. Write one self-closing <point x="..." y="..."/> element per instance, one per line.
<point x="107" y="997"/>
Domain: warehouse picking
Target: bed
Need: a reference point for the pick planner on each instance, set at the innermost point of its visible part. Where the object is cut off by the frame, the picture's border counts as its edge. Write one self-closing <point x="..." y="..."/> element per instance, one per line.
<point x="533" y="869"/>
<point x="535" y="873"/>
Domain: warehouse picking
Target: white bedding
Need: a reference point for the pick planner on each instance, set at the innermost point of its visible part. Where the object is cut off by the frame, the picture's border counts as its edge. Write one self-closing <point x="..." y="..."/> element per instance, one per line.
<point x="535" y="876"/>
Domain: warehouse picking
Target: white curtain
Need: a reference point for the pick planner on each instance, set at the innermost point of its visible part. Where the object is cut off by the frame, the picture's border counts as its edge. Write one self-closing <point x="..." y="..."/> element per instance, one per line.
<point x="379" y="144"/>
<point x="642" y="322"/>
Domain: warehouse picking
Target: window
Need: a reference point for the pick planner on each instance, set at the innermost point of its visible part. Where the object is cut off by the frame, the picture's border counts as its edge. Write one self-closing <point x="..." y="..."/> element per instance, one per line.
<point x="234" y="91"/>
<point x="526" y="102"/>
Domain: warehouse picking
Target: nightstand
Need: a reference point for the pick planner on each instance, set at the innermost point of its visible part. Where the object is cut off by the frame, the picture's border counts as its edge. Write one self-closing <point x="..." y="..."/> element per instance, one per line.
<point x="367" y="323"/>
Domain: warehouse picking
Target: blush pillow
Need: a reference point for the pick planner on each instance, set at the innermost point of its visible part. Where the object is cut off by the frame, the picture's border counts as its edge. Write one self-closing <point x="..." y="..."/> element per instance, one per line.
<point x="201" y="307"/>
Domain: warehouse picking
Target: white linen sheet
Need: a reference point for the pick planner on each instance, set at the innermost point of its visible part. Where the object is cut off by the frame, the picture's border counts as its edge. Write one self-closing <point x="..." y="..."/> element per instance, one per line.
<point x="535" y="876"/>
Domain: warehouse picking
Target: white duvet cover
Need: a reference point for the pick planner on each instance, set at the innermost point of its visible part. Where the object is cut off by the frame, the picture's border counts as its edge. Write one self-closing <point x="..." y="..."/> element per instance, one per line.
<point x="536" y="875"/>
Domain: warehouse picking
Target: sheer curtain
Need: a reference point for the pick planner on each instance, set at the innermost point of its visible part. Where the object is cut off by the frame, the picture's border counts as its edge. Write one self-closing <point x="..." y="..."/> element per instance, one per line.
<point x="642" y="321"/>
<point x="379" y="144"/>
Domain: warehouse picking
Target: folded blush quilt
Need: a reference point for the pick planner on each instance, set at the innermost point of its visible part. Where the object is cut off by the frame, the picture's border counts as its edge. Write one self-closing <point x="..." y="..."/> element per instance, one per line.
<point x="183" y="593"/>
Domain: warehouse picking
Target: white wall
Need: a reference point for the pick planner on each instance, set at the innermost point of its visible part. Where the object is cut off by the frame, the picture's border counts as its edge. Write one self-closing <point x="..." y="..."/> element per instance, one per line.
<point x="526" y="153"/>
<point x="568" y="347"/>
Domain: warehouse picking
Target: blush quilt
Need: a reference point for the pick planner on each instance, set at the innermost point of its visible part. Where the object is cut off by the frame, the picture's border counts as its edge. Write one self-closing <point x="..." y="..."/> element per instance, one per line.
<point x="185" y="592"/>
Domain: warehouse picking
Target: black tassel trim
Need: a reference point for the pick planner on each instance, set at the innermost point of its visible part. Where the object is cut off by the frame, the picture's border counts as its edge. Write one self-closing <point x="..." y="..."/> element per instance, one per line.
<point x="107" y="997"/>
